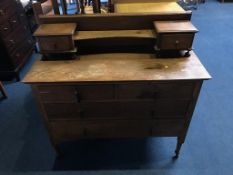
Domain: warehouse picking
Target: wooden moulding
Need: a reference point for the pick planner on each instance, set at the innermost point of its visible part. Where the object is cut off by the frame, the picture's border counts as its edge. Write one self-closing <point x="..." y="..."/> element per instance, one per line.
<point x="112" y="21"/>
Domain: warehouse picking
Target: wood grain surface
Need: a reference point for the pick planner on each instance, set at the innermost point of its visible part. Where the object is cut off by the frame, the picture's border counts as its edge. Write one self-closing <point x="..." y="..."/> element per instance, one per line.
<point x="147" y="7"/>
<point x="82" y="35"/>
<point x="117" y="67"/>
<point x="55" y="29"/>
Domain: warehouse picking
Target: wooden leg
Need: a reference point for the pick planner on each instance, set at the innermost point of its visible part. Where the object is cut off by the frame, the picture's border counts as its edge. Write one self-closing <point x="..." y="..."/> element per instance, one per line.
<point x="3" y="90"/>
<point x="64" y="7"/>
<point x="82" y="6"/>
<point x="178" y="146"/>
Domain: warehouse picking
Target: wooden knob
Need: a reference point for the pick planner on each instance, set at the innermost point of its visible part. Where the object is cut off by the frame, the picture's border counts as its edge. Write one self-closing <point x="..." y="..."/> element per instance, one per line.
<point x="2" y="12"/>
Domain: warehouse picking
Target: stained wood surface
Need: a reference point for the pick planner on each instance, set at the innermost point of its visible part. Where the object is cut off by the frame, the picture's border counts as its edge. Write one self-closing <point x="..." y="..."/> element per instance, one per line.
<point x="82" y="35"/>
<point x="174" y="26"/>
<point x="55" y="29"/>
<point x="147" y="7"/>
<point x="117" y="67"/>
<point x="116" y="21"/>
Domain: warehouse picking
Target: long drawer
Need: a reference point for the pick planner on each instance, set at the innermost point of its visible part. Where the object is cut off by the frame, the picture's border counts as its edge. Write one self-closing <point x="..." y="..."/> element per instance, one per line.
<point x="117" y="110"/>
<point x="66" y="130"/>
<point x="121" y="91"/>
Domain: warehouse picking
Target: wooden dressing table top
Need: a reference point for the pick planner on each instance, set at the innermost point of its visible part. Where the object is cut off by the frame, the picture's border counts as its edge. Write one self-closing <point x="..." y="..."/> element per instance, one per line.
<point x="117" y="67"/>
<point x="150" y="7"/>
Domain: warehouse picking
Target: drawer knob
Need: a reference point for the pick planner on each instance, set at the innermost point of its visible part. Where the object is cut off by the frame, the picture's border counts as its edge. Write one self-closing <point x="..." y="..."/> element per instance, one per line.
<point x="177" y="42"/>
<point x="17" y="55"/>
<point x="78" y="97"/>
<point x="5" y="28"/>
<point x="2" y="12"/>
<point x="14" y="21"/>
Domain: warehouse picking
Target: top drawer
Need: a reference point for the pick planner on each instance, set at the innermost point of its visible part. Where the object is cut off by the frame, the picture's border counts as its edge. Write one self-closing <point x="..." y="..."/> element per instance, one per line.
<point x="153" y="90"/>
<point x="121" y="91"/>
<point x="75" y="93"/>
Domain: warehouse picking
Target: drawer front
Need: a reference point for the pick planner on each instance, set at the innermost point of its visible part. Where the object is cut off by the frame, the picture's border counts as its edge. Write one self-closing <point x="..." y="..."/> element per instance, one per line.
<point x="153" y="91"/>
<point x="167" y="127"/>
<point x="14" y="21"/>
<point x="20" y="54"/>
<point x="15" y="39"/>
<point x="162" y="109"/>
<point x="66" y="130"/>
<point x="7" y="8"/>
<point x="75" y="93"/>
<point x="62" y="43"/>
<point x="175" y="41"/>
<point x="5" y="29"/>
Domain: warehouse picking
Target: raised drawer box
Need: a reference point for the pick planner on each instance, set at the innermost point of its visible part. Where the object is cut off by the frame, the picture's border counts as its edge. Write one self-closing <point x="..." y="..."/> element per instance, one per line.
<point x="174" y="35"/>
<point x="55" y="38"/>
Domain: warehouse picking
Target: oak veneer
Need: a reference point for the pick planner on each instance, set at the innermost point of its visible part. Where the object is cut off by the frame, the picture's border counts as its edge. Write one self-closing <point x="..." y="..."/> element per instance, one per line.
<point x="117" y="95"/>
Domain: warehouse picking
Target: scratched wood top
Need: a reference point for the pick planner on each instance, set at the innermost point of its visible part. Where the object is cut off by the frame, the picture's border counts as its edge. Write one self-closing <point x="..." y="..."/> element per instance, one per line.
<point x="147" y="7"/>
<point x="82" y="35"/>
<point x="55" y="29"/>
<point x="174" y="26"/>
<point x="117" y="67"/>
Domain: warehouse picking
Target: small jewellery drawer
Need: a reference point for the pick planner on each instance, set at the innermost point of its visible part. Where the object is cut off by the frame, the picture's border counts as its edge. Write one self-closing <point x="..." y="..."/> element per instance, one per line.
<point x="155" y="91"/>
<point x="175" y="41"/>
<point x="58" y="43"/>
<point x="75" y="93"/>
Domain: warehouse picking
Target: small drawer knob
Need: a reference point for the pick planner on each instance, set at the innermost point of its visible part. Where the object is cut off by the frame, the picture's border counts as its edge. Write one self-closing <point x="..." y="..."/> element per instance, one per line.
<point x="177" y="41"/>
<point x="5" y="28"/>
<point x="12" y="41"/>
<point x="14" y="21"/>
<point x="2" y="12"/>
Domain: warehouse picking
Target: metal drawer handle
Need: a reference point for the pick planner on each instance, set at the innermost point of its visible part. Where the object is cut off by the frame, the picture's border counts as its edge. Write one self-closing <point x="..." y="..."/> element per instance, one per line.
<point x="14" y="21"/>
<point x="5" y="28"/>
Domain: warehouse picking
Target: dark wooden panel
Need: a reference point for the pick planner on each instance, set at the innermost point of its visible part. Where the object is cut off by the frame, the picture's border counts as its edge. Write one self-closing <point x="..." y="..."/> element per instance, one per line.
<point x="167" y="127"/>
<point x="175" y="41"/>
<point x="116" y="21"/>
<point x="155" y="90"/>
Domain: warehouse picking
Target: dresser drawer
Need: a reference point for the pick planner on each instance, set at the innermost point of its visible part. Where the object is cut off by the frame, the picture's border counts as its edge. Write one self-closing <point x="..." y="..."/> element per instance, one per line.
<point x="5" y="29"/>
<point x="21" y="52"/>
<point x="15" y="40"/>
<point x="162" y="109"/>
<point x="6" y="10"/>
<point x="175" y="41"/>
<point x="14" y="21"/>
<point x="66" y="130"/>
<point x="76" y="93"/>
<point x="58" y="43"/>
<point x="153" y="91"/>
<point x="167" y="127"/>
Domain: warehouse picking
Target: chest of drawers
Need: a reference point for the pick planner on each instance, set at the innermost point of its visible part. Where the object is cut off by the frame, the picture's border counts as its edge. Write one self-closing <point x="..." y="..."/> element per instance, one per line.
<point x="16" y="42"/>
<point x="91" y="102"/>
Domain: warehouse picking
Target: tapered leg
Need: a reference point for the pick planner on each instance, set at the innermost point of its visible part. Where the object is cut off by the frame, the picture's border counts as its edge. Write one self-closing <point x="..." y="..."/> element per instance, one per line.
<point x="3" y="90"/>
<point x="178" y="146"/>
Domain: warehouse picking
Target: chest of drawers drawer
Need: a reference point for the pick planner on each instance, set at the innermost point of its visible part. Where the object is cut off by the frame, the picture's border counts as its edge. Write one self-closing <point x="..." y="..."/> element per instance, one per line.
<point x="175" y="41"/>
<point x="163" y="109"/>
<point x="66" y="130"/>
<point x="108" y="92"/>
<point x="54" y="44"/>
